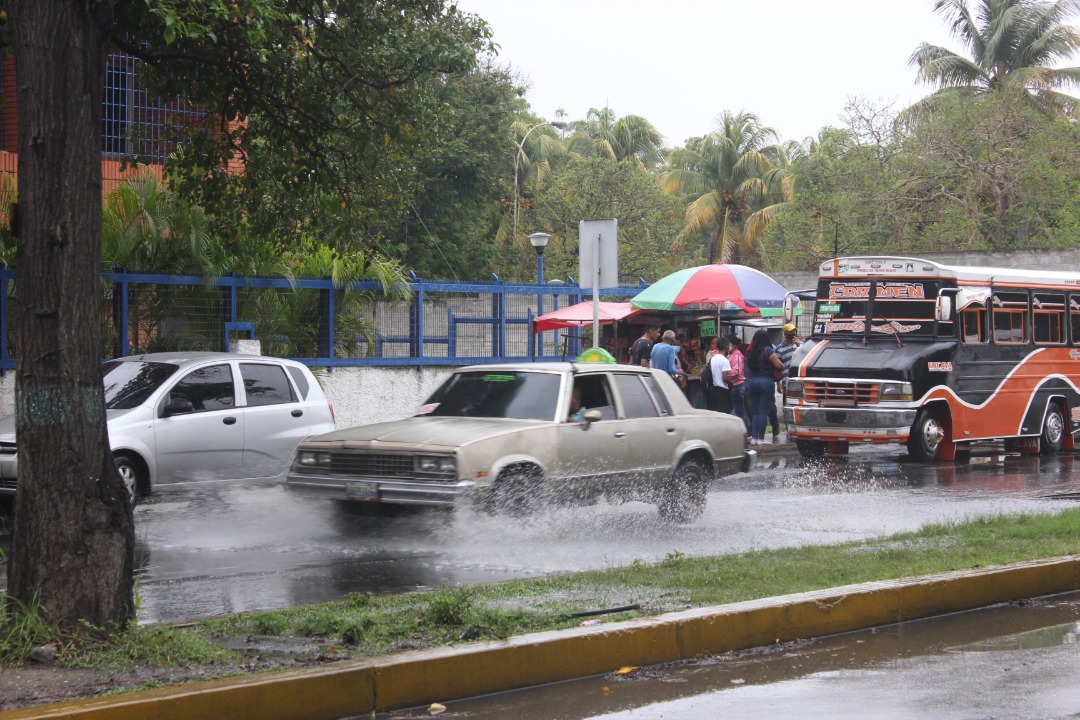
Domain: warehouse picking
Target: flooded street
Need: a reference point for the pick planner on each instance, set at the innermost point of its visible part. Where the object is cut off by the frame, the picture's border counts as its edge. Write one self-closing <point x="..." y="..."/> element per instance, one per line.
<point x="239" y="547"/>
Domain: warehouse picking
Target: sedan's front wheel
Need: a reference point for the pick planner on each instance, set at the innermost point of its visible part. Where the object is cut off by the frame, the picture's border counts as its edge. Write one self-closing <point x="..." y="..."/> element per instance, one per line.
<point x="130" y="472"/>
<point x="517" y="491"/>
<point x="683" y="499"/>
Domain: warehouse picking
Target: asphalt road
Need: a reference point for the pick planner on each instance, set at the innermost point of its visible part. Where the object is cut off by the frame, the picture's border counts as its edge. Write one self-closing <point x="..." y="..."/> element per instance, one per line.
<point x="242" y="546"/>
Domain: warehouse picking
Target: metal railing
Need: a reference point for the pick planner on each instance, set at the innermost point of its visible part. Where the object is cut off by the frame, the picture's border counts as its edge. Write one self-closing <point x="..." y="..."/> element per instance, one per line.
<point x="311" y="320"/>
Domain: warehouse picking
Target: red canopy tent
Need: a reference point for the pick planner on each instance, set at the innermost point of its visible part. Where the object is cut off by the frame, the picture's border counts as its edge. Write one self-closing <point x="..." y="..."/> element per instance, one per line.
<point x="582" y="314"/>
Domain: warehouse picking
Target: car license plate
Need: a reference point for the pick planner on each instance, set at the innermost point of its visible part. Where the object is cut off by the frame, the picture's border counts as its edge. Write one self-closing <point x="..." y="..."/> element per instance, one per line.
<point x="361" y="491"/>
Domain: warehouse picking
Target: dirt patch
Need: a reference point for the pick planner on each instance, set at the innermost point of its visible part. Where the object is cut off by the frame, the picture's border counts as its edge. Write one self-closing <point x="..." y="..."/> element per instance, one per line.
<point x="41" y="684"/>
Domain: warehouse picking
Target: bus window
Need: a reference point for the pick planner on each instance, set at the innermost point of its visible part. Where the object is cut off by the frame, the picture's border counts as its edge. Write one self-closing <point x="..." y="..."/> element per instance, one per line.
<point x="1048" y="318"/>
<point x="1010" y="310"/>
<point x="1074" y="317"/>
<point x="973" y="325"/>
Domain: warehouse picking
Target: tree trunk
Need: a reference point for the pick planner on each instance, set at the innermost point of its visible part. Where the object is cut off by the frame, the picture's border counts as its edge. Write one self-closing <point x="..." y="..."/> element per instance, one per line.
<point x="73" y="544"/>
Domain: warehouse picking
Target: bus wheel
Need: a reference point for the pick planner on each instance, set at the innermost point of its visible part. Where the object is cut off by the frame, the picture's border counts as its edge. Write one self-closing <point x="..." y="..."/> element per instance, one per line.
<point x="1053" y="433"/>
<point x="811" y="449"/>
<point x="926" y="437"/>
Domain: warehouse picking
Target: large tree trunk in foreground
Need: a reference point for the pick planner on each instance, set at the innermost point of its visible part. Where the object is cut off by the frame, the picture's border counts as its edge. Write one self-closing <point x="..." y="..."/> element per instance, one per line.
<point x="73" y="544"/>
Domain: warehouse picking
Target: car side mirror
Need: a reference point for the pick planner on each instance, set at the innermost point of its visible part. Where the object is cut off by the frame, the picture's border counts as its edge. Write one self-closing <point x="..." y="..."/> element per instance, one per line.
<point x="591" y="416"/>
<point x="179" y="407"/>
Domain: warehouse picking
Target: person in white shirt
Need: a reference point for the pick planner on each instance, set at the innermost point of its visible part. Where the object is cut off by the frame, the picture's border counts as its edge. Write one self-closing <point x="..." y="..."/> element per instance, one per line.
<point x="720" y="397"/>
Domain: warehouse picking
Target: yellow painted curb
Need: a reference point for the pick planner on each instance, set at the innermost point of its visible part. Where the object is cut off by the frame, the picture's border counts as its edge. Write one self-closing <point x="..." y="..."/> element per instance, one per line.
<point x="418" y="678"/>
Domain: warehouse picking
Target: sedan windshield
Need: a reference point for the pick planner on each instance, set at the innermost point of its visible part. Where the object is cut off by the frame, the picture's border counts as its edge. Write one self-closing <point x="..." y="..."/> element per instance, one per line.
<point x="497" y="394"/>
<point x="129" y="384"/>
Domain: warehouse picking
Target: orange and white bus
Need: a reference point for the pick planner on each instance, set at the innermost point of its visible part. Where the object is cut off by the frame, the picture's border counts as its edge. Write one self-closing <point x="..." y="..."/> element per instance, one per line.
<point x="937" y="357"/>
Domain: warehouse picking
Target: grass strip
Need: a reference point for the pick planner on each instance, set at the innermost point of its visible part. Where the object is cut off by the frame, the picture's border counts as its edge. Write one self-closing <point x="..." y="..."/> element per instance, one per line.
<point x="364" y="625"/>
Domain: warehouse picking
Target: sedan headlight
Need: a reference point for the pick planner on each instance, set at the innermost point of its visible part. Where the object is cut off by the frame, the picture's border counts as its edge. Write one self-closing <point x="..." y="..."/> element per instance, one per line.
<point x="895" y="391"/>
<point x="313" y="458"/>
<point x="436" y="465"/>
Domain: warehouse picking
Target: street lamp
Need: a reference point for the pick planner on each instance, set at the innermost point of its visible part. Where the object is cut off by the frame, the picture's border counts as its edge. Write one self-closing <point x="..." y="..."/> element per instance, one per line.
<point x="517" y="161"/>
<point x="539" y="241"/>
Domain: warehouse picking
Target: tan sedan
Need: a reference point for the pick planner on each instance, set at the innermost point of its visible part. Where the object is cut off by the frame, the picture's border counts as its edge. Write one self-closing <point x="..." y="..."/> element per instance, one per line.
<point x="512" y="437"/>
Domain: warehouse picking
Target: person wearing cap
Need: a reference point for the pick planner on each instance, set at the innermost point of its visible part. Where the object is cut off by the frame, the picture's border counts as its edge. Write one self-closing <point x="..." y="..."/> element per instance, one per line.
<point x="786" y="349"/>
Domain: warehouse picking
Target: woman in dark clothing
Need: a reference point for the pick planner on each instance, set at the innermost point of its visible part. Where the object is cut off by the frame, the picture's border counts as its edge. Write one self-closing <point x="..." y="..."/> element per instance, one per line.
<point x="761" y="361"/>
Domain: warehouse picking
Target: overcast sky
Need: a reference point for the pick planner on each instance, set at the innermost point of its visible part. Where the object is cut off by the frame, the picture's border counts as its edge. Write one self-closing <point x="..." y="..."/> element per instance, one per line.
<point x="680" y="63"/>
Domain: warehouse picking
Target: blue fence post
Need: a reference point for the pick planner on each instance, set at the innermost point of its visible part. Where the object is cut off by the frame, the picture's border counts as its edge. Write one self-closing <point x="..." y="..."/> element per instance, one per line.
<point x="326" y="323"/>
<point x="416" y="320"/>
<point x="451" y="334"/>
<point x="120" y="314"/>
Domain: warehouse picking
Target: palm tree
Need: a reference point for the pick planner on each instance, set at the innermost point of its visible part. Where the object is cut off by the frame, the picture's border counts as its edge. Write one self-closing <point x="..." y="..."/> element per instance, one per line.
<point x="630" y="138"/>
<point x="1012" y="44"/>
<point x="734" y="181"/>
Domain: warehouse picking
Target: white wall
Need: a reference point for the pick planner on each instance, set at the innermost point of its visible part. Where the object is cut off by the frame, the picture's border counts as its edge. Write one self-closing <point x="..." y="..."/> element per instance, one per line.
<point x="360" y="395"/>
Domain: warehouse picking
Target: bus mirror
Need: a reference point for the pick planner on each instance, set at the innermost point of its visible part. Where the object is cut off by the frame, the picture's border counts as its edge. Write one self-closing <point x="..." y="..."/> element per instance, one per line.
<point x="943" y="308"/>
<point x="789" y="309"/>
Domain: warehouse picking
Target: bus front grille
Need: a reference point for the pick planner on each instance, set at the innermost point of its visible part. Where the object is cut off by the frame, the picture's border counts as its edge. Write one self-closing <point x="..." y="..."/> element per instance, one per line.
<point x="832" y="393"/>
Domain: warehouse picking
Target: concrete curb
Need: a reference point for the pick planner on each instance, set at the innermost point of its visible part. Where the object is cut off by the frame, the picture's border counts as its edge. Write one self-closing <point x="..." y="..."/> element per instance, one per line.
<point x="445" y="674"/>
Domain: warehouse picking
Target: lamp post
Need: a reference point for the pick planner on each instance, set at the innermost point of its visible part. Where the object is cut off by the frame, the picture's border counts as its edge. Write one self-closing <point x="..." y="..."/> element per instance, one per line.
<point x="539" y="241"/>
<point x="517" y="161"/>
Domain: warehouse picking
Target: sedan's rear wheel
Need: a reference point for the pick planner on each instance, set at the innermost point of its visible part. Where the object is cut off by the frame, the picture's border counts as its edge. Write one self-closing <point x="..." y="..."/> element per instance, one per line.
<point x="517" y="491"/>
<point x="683" y="499"/>
<point x="130" y="472"/>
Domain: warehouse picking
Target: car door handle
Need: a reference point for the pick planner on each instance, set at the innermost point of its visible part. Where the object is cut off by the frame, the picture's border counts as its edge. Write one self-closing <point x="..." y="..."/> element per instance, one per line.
<point x="297" y="413"/>
<point x="229" y="420"/>
<point x="620" y="434"/>
<point x="671" y="431"/>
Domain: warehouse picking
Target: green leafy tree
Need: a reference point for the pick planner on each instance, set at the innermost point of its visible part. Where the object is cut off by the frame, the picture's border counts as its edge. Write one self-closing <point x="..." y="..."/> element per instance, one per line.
<point x="1012" y="45"/>
<point x="992" y="172"/>
<point x="325" y="101"/>
<point x="590" y="188"/>
<point x="734" y="181"/>
<point x="453" y="221"/>
<point x="331" y="106"/>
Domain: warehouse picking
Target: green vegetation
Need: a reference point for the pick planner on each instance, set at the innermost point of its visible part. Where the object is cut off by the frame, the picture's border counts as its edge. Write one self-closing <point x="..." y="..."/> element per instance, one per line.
<point x="364" y="624"/>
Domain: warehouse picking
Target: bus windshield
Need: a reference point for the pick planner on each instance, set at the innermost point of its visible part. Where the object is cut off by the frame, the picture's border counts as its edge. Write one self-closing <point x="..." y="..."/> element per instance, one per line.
<point x="897" y="308"/>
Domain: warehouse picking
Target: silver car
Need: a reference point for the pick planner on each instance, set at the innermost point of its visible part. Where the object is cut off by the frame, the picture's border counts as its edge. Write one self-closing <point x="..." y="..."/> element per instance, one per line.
<point x="507" y="438"/>
<point x="191" y="417"/>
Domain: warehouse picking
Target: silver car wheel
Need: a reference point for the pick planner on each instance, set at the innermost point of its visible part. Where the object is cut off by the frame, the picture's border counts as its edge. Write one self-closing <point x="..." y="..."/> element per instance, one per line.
<point x="129" y="474"/>
<point x="683" y="500"/>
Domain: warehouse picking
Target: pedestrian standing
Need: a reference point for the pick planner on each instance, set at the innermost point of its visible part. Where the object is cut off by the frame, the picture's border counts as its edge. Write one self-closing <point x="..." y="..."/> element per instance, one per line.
<point x="738" y="380"/>
<point x="663" y="356"/>
<point x="761" y="367"/>
<point x="719" y="368"/>
<point x="641" y="351"/>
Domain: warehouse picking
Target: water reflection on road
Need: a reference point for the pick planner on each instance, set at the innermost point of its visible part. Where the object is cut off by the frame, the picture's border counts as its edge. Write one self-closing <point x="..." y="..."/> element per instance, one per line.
<point x="1014" y="661"/>
<point x="237" y="547"/>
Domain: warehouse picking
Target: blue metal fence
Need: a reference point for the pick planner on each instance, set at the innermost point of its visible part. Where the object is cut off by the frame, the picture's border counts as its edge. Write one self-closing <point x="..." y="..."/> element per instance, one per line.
<point x="311" y="320"/>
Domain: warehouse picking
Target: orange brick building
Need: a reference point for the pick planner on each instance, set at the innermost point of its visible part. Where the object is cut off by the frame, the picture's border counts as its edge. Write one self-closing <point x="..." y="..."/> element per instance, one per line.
<point x="134" y="124"/>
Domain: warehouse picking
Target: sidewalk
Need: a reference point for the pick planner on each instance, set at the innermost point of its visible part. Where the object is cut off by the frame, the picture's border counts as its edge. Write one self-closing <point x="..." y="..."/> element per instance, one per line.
<point x="418" y="678"/>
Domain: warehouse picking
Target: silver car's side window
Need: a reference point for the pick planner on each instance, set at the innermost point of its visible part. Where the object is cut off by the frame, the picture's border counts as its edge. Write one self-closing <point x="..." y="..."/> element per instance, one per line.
<point x="266" y="384"/>
<point x="636" y="401"/>
<point x="207" y="389"/>
<point x="657" y="394"/>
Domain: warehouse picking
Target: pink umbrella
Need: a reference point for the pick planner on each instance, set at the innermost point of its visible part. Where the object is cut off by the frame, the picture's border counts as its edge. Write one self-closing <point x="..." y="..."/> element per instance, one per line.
<point x="582" y="314"/>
